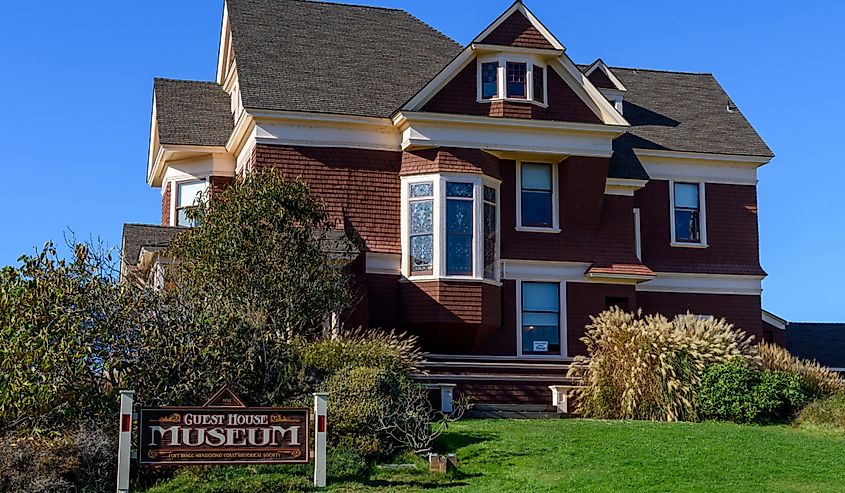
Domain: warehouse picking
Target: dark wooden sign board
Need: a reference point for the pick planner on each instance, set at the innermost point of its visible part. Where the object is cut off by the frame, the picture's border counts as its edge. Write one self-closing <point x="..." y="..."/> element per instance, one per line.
<point x="224" y="431"/>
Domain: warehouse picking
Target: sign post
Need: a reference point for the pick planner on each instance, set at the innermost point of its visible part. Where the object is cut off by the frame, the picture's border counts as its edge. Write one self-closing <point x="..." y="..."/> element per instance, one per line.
<point x="320" y="404"/>
<point x="124" y="446"/>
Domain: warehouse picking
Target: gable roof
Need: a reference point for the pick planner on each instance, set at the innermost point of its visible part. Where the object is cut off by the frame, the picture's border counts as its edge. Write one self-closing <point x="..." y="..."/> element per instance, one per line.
<point x="139" y="236"/>
<point x="192" y="113"/>
<point x="822" y="342"/>
<point x="679" y="111"/>
<point x="601" y="76"/>
<point x="296" y="55"/>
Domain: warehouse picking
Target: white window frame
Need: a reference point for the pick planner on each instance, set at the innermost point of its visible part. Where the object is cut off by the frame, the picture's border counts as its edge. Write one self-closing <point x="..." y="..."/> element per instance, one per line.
<point x="638" y="244"/>
<point x="174" y="195"/>
<point x="702" y="215"/>
<point x="555" y="227"/>
<point x="439" y="222"/>
<point x="501" y="78"/>
<point x="562" y="328"/>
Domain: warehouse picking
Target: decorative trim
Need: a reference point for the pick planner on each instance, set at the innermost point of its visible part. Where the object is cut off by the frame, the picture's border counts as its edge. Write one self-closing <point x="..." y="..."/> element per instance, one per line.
<point x="619" y="278"/>
<point x="319" y="130"/>
<point x="676" y="282"/>
<point x="520" y="7"/>
<point x="533" y="270"/>
<point x="623" y="186"/>
<point x="772" y="319"/>
<point x="383" y="263"/>
<point x="704" y="156"/>
<point x="483" y="48"/>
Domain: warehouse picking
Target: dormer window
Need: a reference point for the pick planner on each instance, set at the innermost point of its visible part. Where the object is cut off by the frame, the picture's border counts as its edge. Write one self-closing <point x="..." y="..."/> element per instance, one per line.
<point x="513" y="78"/>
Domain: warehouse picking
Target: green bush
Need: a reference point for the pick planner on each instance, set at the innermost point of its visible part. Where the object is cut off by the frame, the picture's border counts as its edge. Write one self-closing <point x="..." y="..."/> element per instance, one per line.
<point x="360" y="397"/>
<point x="734" y="391"/>
<point x="827" y="413"/>
<point x="343" y="464"/>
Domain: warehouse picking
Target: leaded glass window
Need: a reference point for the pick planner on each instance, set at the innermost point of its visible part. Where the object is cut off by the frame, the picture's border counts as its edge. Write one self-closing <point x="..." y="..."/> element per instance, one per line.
<point x="489" y="80"/>
<point x="537" y="79"/>
<point x="459" y="227"/>
<point x="422" y="227"/>
<point x="490" y="228"/>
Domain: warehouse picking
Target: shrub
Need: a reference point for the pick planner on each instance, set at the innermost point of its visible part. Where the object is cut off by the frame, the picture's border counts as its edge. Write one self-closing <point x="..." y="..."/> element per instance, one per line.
<point x="358" y="397"/>
<point x="81" y="460"/>
<point x="825" y="413"/>
<point x="734" y="391"/>
<point x="650" y="367"/>
<point x="344" y="464"/>
<point x="820" y="381"/>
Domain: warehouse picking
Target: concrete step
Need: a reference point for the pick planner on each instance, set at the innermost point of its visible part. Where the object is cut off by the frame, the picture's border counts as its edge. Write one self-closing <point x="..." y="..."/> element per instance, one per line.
<point x="512" y="411"/>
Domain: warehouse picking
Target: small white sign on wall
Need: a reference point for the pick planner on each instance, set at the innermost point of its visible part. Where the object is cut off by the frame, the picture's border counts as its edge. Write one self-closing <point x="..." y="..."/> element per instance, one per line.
<point x="541" y="346"/>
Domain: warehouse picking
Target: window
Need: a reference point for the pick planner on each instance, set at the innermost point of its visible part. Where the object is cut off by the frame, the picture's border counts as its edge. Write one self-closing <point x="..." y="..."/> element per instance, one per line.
<point x="489" y="80"/>
<point x="421" y="201"/>
<point x="537" y="79"/>
<point x="450" y="226"/>
<point x="540" y="318"/>
<point x="459" y="227"/>
<point x="188" y="194"/>
<point x="490" y="229"/>
<point x="517" y="74"/>
<point x="536" y="195"/>
<point x="687" y="213"/>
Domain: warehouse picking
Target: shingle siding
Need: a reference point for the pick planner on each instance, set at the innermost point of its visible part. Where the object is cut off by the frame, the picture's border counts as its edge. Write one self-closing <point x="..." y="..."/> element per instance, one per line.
<point x="517" y="30"/>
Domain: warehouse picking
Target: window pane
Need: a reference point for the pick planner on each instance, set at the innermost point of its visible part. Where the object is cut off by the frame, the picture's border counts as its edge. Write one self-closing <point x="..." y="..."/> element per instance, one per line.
<point x="686" y="195"/>
<point x="422" y="190"/>
<point x="182" y="218"/>
<point x="536" y="176"/>
<point x="516" y="75"/>
<point x="459" y="216"/>
<point x="489" y="240"/>
<point x="686" y="225"/>
<point x="490" y="194"/>
<point x="540" y="340"/>
<point x="458" y="254"/>
<point x="421" y="253"/>
<point x="540" y="296"/>
<point x="538" y="84"/>
<point x="189" y="193"/>
<point x="459" y="189"/>
<point x="537" y="209"/>
<point x="489" y="80"/>
<point x="422" y="215"/>
<point x="539" y="318"/>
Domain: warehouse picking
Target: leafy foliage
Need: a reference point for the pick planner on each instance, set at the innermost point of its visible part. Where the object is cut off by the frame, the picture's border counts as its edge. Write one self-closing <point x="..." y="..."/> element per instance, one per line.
<point x="345" y="464"/>
<point x="259" y="256"/>
<point x="650" y="367"/>
<point x="734" y="391"/>
<point x="820" y="381"/>
<point x="825" y="413"/>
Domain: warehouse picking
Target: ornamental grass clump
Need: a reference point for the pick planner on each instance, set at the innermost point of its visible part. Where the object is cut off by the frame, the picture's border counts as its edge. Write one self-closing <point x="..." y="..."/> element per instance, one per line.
<point x="648" y="367"/>
<point x="819" y="380"/>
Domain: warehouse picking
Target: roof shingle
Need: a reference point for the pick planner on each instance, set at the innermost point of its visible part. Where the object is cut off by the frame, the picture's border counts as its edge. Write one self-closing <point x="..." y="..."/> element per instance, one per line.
<point x="192" y="112"/>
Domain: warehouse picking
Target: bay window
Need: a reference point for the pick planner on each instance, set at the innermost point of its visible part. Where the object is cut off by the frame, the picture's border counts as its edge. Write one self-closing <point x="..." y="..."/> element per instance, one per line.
<point x="687" y="206"/>
<point x="537" y="197"/>
<point x="450" y="226"/>
<point x="512" y="77"/>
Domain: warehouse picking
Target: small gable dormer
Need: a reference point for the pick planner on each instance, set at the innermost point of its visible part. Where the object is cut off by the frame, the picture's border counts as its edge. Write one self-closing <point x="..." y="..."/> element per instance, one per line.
<point x="608" y="84"/>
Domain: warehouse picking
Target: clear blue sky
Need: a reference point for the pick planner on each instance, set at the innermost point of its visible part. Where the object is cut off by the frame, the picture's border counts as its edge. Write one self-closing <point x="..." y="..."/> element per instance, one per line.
<point x="78" y="77"/>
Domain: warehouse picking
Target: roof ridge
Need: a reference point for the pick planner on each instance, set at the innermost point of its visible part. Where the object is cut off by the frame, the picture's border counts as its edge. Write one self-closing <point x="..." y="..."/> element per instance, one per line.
<point x="356" y="5"/>
<point x="665" y="71"/>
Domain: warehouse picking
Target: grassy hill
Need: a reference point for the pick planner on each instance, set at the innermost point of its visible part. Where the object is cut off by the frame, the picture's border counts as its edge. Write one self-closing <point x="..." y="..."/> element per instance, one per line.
<point x="587" y="455"/>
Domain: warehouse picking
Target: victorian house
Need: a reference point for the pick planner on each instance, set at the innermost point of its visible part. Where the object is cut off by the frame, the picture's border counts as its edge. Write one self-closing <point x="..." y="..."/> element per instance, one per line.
<point x="501" y="192"/>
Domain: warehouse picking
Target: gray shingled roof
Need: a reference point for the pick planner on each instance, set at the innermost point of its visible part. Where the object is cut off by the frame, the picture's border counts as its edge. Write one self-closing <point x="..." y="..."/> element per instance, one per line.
<point x="138" y="236"/>
<point x="824" y="343"/>
<point x="192" y="112"/>
<point x="297" y="55"/>
<point x="679" y="111"/>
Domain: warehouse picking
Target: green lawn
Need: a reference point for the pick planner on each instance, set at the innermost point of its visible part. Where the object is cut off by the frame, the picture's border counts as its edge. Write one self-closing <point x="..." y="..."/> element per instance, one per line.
<point x="595" y="456"/>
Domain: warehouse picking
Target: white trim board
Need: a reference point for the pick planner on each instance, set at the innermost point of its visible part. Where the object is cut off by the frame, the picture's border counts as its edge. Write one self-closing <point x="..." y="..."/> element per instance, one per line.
<point x="711" y="168"/>
<point x="674" y="282"/>
<point x="772" y="319"/>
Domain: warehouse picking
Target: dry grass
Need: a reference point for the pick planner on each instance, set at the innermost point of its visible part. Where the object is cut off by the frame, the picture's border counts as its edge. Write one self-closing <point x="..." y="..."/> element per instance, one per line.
<point x="819" y="380"/>
<point x="650" y="367"/>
